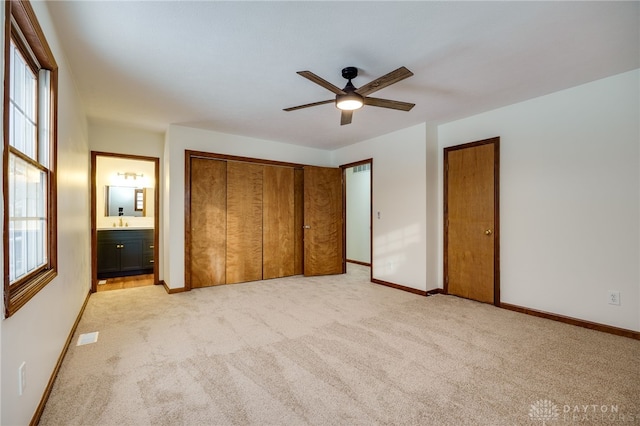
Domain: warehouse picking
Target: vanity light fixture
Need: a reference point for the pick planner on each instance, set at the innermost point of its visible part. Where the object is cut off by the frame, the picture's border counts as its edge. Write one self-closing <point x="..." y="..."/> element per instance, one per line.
<point x="128" y="175"/>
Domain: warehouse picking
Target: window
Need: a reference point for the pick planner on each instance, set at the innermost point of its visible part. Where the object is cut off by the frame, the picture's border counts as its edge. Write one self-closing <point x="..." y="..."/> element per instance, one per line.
<point x="29" y="154"/>
<point x="139" y="200"/>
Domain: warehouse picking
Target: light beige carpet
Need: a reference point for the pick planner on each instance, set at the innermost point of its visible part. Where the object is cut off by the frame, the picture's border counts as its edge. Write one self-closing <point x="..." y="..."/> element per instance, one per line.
<point x="335" y="350"/>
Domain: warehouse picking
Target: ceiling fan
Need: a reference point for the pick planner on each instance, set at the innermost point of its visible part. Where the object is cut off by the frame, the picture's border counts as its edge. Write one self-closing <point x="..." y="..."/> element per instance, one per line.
<point x="351" y="98"/>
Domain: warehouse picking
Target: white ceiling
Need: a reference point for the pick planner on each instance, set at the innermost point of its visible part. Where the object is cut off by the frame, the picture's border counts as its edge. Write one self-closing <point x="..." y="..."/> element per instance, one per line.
<point x="231" y="66"/>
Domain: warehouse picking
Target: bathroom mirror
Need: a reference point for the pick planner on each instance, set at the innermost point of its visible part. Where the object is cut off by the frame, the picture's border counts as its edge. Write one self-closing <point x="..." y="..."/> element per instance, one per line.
<point x="127" y="201"/>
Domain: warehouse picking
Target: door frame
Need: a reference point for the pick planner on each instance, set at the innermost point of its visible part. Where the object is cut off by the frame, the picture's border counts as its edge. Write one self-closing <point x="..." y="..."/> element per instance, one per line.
<point x="156" y="218"/>
<point x="496" y="197"/>
<point x="344" y="168"/>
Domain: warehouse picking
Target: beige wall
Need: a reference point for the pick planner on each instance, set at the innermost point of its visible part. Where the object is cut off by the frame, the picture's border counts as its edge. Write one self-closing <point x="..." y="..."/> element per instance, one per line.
<point x="569" y="198"/>
<point x="119" y="138"/>
<point x="399" y="195"/>
<point x="37" y="333"/>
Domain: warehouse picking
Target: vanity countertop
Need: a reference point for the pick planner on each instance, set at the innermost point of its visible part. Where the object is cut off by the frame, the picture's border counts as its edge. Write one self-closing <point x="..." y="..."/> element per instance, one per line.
<point x="124" y="228"/>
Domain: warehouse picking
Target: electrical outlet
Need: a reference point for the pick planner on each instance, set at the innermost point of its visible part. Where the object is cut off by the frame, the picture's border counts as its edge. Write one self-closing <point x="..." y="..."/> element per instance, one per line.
<point x="22" y="378"/>
<point x="614" y="297"/>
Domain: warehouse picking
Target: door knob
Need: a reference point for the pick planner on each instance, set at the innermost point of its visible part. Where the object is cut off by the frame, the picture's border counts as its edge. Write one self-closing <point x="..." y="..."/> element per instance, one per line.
<point x="306" y="227"/>
<point x="488" y="232"/>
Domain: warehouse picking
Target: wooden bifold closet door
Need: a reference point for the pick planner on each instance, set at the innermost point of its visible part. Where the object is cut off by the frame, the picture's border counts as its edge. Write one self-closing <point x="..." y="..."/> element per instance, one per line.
<point x="278" y="214"/>
<point x="208" y="222"/>
<point x="244" y="222"/>
<point x="250" y="221"/>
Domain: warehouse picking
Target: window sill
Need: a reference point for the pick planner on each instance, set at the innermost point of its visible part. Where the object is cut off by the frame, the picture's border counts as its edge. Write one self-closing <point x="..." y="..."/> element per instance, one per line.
<point x="17" y="297"/>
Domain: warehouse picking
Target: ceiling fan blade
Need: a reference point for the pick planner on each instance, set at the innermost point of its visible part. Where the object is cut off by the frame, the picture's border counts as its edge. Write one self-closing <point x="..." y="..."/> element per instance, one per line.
<point x="384" y="81"/>
<point x="345" y="117"/>
<point x="309" y="105"/>
<point x="387" y="103"/>
<point x="322" y="82"/>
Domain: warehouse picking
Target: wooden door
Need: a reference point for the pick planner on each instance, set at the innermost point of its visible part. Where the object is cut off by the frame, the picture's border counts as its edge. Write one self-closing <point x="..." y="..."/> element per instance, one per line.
<point x="323" y="221"/>
<point x="278" y="243"/>
<point x="244" y="222"/>
<point x="471" y="221"/>
<point x="298" y="222"/>
<point x="208" y="210"/>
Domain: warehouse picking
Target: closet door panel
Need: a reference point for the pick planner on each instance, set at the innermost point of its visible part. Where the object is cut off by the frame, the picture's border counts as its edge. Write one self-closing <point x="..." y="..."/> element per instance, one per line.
<point x="278" y="221"/>
<point x="208" y="222"/>
<point x="298" y="221"/>
<point x="244" y="222"/>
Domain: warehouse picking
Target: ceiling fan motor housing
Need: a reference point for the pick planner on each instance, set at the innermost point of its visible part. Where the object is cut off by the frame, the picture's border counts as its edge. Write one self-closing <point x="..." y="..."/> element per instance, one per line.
<point x="349" y="72"/>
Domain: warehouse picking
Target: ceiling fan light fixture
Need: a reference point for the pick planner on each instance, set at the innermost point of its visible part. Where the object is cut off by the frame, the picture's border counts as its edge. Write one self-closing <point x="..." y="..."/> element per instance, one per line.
<point x="349" y="102"/>
<point x="351" y="98"/>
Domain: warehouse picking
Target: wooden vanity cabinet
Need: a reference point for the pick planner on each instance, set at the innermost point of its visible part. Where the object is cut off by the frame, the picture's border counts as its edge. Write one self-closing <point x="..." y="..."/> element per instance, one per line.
<point x="123" y="252"/>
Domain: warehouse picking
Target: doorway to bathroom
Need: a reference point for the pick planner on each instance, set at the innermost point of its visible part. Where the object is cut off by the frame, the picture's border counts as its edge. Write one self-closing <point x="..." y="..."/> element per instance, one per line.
<point x="357" y="195"/>
<point x="124" y="221"/>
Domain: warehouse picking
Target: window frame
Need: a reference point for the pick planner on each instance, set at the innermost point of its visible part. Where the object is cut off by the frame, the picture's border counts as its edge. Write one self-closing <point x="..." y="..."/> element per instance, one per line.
<point x="22" y="26"/>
